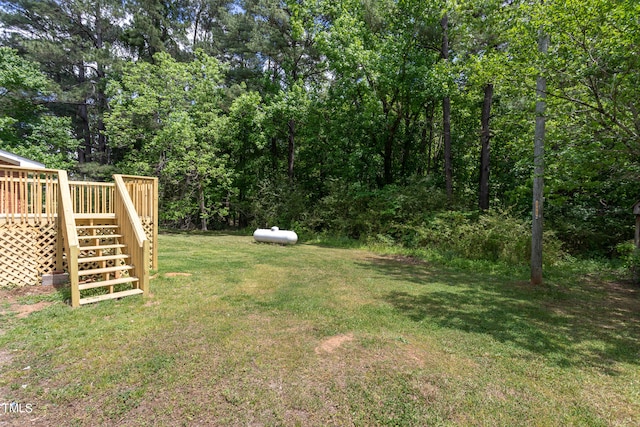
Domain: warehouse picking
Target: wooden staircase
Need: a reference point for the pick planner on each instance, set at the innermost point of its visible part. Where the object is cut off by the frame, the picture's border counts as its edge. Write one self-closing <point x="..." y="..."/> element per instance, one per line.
<point x="102" y="236"/>
<point x="103" y="260"/>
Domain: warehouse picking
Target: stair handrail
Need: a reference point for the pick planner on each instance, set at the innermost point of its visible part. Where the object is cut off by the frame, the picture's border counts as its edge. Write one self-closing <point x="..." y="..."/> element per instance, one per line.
<point x="67" y="224"/>
<point x="133" y="233"/>
<point x="146" y="204"/>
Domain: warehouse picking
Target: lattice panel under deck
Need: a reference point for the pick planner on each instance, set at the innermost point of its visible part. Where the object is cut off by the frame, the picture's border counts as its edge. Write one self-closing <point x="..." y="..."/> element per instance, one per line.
<point x="98" y="277"/>
<point x="147" y="225"/>
<point x="46" y="248"/>
<point x="26" y="252"/>
<point x="102" y="236"/>
<point x="98" y="232"/>
<point x="94" y="265"/>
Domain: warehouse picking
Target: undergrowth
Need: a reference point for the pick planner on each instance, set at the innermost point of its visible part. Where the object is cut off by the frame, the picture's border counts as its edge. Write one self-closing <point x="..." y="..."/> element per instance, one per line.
<point x="416" y="216"/>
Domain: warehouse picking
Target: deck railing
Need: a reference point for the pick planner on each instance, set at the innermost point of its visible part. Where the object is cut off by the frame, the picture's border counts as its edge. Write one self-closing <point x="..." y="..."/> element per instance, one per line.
<point x="133" y="233"/>
<point x="28" y="224"/>
<point x="91" y="197"/>
<point x="38" y="209"/>
<point x="28" y="196"/>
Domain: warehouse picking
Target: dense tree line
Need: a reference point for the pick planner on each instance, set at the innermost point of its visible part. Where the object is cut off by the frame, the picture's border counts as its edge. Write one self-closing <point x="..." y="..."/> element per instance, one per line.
<point x="363" y="117"/>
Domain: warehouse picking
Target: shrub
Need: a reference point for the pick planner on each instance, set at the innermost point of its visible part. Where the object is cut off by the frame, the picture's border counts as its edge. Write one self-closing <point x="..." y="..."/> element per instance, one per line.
<point x="630" y="257"/>
<point x="416" y="216"/>
<point x="493" y="236"/>
<point x="359" y="212"/>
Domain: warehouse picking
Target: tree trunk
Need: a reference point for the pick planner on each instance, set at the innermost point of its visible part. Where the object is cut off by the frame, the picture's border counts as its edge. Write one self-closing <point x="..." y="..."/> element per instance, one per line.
<point x="446" y="114"/>
<point x="538" y="173"/>
<point x="388" y="147"/>
<point x="446" y="133"/>
<point x="426" y="140"/>
<point x="203" y="207"/>
<point x="485" y="137"/>
<point x="101" y="98"/>
<point x="197" y="24"/>
<point x="243" y="220"/>
<point x="101" y="101"/>
<point x="83" y="130"/>
<point x="406" y="148"/>
<point x="274" y="153"/>
<point x="292" y="147"/>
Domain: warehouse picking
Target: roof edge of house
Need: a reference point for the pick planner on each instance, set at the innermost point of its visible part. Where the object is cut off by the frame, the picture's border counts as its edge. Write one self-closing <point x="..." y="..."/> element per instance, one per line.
<point x="17" y="160"/>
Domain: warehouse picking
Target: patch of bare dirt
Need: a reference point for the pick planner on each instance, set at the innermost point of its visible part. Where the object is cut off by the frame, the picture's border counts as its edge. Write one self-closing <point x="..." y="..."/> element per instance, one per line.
<point x="331" y="344"/>
<point x="414" y="357"/>
<point x="23" y="310"/>
<point x="5" y="358"/>
<point x="26" y="291"/>
<point x="177" y="274"/>
<point x="150" y="302"/>
<point x="430" y="392"/>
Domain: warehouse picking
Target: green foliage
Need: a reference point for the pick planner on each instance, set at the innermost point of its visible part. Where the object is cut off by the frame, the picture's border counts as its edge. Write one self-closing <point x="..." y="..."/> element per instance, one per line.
<point x="629" y="254"/>
<point x="19" y="76"/>
<point x="27" y="128"/>
<point x="77" y="44"/>
<point x="494" y="236"/>
<point x="351" y="93"/>
<point x="156" y="26"/>
<point x="279" y="202"/>
<point x="166" y="121"/>
<point x="592" y="154"/>
<point x="416" y="216"/>
<point x="358" y="212"/>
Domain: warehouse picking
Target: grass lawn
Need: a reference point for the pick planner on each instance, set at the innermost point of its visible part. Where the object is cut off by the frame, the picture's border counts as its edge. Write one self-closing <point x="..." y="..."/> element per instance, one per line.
<point x="239" y="333"/>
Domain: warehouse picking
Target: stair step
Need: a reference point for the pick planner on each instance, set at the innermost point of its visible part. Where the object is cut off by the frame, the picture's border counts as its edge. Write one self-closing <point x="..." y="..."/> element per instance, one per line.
<point x="94" y="227"/>
<point x="111" y="282"/>
<point x="114" y="295"/>
<point x="94" y="216"/>
<point x="101" y="236"/>
<point x="104" y="270"/>
<point x="102" y="247"/>
<point x="102" y="258"/>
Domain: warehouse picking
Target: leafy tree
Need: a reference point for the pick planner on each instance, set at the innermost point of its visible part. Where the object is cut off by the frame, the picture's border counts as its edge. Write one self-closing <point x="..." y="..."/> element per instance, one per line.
<point x="228" y="30"/>
<point x="384" y="56"/>
<point x="158" y="26"/>
<point x="166" y="121"/>
<point x="247" y="151"/>
<point x="340" y="104"/>
<point x="480" y="49"/>
<point x="286" y="37"/>
<point x="27" y="127"/>
<point x="592" y="91"/>
<point x="75" y="43"/>
<point x="596" y="87"/>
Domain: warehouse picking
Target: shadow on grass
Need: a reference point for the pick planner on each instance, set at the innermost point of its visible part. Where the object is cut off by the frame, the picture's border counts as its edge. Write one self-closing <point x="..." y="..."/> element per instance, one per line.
<point x="584" y="323"/>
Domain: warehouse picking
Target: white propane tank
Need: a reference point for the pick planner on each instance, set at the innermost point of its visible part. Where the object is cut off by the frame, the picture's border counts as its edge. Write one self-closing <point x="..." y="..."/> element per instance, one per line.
<point x="275" y="235"/>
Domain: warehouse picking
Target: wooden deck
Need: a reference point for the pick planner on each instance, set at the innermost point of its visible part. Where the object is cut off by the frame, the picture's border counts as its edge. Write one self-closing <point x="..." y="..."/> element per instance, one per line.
<point x="49" y="224"/>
